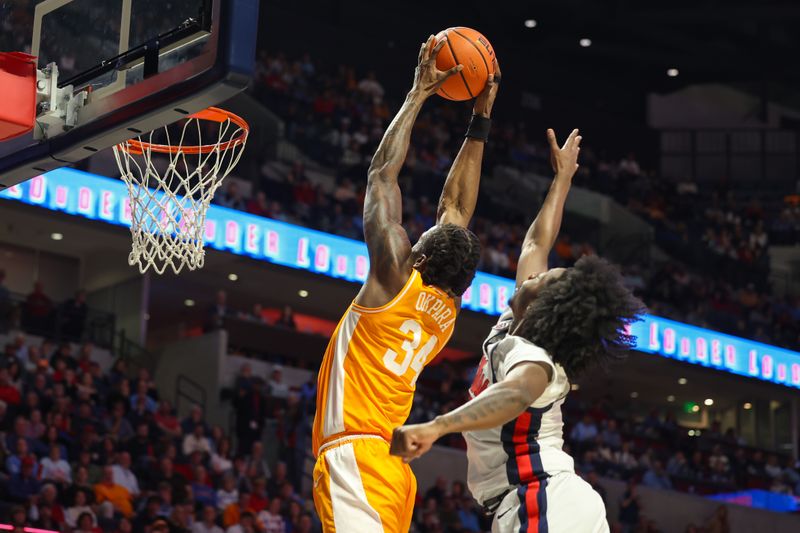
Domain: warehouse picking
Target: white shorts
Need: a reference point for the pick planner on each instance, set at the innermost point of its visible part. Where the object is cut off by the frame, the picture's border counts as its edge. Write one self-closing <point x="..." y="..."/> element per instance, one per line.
<point x="563" y="503"/>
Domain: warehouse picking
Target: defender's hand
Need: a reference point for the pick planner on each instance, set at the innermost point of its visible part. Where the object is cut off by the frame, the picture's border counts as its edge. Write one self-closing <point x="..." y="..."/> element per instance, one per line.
<point x="565" y="159"/>
<point x="427" y="78"/>
<point x="410" y="442"/>
<point x="485" y="101"/>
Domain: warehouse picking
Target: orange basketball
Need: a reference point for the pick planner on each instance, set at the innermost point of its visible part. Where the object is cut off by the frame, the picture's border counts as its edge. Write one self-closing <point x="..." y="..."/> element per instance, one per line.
<point x="469" y="48"/>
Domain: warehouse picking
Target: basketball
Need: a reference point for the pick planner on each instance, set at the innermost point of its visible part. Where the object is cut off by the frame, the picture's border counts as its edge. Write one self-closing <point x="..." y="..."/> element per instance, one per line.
<point x="471" y="49"/>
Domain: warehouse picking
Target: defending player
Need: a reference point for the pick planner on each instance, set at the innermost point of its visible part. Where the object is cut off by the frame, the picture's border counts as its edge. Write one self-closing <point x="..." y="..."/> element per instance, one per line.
<point x="560" y="323"/>
<point x="402" y="317"/>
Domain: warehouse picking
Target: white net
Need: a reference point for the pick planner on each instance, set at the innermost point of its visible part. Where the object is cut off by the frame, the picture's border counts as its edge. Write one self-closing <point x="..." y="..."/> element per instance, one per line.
<point x="170" y="186"/>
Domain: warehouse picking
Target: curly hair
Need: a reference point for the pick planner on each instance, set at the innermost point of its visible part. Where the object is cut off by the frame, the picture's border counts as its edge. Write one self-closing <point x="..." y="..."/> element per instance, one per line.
<point x="581" y="318"/>
<point x="453" y="253"/>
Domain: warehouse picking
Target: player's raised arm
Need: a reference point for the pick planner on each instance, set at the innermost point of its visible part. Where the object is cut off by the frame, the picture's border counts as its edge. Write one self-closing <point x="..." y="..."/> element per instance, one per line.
<point x="543" y="231"/>
<point x="498" y="404"/>
<point x="387" y="242"/>
<point x="460" y="192"/>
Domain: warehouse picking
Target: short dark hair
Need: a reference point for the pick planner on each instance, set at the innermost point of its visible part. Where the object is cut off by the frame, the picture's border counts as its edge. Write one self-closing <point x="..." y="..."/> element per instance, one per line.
<point x="452" y="255"/>
<point x="580" y="319"/>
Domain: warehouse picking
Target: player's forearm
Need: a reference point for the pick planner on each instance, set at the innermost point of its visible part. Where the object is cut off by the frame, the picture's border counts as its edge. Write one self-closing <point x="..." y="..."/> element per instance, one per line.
<point x="494" y="407"/>
<point x="391" y="152"/>
<point x="544" y="229"/>
<point x="460" y="192"/>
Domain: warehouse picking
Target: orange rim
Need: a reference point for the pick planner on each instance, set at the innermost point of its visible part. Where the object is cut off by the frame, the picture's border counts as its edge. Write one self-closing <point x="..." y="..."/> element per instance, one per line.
<point x="212" y="114"/>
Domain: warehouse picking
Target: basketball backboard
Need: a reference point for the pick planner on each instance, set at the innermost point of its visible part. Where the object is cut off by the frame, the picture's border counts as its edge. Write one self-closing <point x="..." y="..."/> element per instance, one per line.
<point x="137" y="65"/>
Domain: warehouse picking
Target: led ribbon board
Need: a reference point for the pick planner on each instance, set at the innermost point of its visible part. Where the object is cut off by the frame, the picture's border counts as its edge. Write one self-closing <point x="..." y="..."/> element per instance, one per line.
<point x="105" y="199"/>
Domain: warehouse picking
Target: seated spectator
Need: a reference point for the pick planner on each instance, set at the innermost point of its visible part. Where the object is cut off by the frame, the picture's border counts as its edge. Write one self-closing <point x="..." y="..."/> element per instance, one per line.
<point x="180" y="520"/>
<point x="233" y="512"/>
<point x="208" y="523"/>
<point x="9" y="393"/>
<point x="773" y="468"/>
<point x="23" y="484"/>
<point x="698" y="466"/>
<point x="141" y="446"/>
<point x="278" y="478"/>
<point x="48" y="500"/>
<point x="656" y="477"/>
<point x="247" y="524"/>
<point x="271" y="519"/>
<point x="116" y="425"/>
<point x="56" y="469"/>
<point x="149" y="513"/>
<point x="196" y="441"/>
<point x="221" y="458"/>
<point x="143" y="391"/>
<point x="258" y="205"/>
<point x="202" y="488"/>
<point x="678" y="466"/>
<point x="611" y="435"/>
<point x="232" y="197"/>
<point x="468" y="520"/>
<point x="14" y="462"/>
<point x="195" y="417"/>
<point x="166" y="420"/>
<point x="86" y="523"/>
<point x="585" y="430"/>
<point x="718" y="462"/>
<point x="117" y="495"/>
<point x="624" y="459"/>
<point x="228" y="494"/>
<point x="259" y="498"/>
<point x="80" y="506"/>
<point x="256" y="463"/>
<point x="124" y="476"/>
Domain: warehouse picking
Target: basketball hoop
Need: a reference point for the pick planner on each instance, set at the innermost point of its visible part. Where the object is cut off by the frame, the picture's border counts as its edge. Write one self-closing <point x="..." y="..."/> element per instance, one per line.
<point x="169" y="196"/>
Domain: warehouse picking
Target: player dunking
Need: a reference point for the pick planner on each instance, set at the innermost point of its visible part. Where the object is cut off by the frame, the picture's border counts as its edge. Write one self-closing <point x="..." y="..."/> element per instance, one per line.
<point x="560" y="323"/>
<point x="400" y="319"/>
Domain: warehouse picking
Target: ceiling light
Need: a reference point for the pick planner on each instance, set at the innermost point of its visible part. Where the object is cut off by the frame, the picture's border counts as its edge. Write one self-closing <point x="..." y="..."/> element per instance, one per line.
<point x="709" y="402"/>
<point x="575" y="386"/>
<point x="634" y="394"/>
<point x="188" y="302"/>
<point x="586" y="43"/>
<point x="302" y="293"/>
<point x="695" y="408"/>
<point x="530" y="23"/>
<point x="691" y="433"/>
<point x="682" y="381"/>
<point x="56" y="236"/>
<point x="233" y="277"/>
<point x="672" y="72"/>
<point x="747" y="406"/>
<point x="670" y="398"/>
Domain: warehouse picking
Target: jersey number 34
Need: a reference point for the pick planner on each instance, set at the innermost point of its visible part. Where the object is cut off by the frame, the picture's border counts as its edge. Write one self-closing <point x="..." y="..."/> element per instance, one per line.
<point x="415" y="359"/>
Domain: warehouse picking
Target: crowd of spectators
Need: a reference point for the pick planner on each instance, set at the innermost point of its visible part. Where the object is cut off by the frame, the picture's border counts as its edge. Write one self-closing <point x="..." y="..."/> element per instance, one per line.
<point x="86" y="450"/>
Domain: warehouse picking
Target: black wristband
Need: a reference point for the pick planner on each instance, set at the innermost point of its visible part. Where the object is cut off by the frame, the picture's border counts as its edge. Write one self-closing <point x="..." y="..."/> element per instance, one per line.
<point x="479" y="128"/>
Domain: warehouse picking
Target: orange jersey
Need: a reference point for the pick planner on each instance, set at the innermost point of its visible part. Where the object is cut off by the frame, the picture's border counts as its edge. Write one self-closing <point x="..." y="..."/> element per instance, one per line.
<point x="369" y="373"/>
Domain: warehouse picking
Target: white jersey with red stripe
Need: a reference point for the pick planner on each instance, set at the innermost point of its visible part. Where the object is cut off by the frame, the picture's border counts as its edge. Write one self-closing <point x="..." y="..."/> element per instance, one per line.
<point x="529" y="448"/>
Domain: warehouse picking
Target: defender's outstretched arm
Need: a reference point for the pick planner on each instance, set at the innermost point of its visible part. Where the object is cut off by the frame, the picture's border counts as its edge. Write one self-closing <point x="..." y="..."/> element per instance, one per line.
<point x="543" y="231"/>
